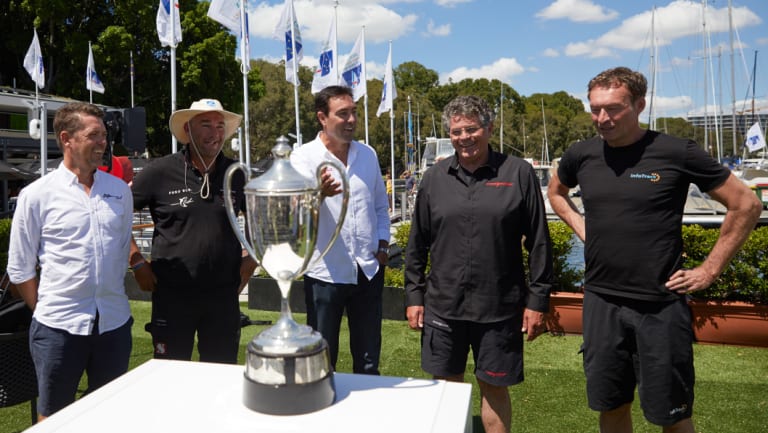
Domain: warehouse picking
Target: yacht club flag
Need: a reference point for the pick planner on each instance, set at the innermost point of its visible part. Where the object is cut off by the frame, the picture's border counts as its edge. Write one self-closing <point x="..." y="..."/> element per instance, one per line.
<point x="227" y="13"/>
<point x="388" y="92"/>
<point x="327" y="73"/>
<point x="353" y="75"/>
<point x="755" y="138"/>
<point x="287" y="29"/>
<point x="167" y="17"/>
<point x="92" y="81"/>
<point x="33" y="62"/>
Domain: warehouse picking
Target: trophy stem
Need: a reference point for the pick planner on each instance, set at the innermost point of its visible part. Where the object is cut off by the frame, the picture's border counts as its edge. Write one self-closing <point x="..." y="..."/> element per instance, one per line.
<point x="285" y="309"/>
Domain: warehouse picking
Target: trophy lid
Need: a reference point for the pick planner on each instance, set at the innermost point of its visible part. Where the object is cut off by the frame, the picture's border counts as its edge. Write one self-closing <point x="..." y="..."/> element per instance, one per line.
<point x="281" y="177"/>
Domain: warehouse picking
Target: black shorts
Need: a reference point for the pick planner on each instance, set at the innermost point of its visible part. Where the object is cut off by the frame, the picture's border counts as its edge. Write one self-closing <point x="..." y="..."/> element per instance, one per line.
<point x="649" y="344"/>
<point x="497" y="348"/>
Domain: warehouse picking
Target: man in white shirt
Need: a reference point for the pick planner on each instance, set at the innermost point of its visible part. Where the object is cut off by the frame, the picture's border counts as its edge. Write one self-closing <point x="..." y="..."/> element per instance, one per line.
<point x="74" y="225"/>
<point x="351" y="275"/>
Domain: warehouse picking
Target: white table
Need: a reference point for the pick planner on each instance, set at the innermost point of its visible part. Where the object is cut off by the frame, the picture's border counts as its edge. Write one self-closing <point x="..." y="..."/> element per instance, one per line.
<point x="178" y="396"/>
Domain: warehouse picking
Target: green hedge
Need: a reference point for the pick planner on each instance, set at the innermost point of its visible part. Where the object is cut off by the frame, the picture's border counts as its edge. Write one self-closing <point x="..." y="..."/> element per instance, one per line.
<point x="745" y="278"/>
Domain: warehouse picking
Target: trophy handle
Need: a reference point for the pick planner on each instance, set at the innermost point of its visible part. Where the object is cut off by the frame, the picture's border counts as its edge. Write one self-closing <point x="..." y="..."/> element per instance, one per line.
<point x="229" y="206"/>
<point x="344" y="201"/>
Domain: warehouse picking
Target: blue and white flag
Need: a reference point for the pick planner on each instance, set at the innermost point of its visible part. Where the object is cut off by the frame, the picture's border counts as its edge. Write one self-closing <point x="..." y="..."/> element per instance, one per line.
<point x="285" y="30"/>
<point x="33" y="62"/>
<point x="92" y="81"/>
<point x="388" y="92"/>
<point x="353" y="75"/>
<point x="327" y="73"/>
<point x="755" y="138"/>
<point x="168" y="37"/>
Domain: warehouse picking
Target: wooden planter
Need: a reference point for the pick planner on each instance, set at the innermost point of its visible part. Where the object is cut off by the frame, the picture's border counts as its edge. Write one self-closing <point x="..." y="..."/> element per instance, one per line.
<point x="714" y="322"/>
<point x="730" y="322"/>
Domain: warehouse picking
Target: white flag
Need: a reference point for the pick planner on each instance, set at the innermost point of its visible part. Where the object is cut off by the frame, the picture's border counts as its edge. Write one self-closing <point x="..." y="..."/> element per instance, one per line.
<point x="286" y="28"/>
<point x="226" y="12"/>
<point x="353" y="75"/>
<point x="167" y="37"/>
<point x="92" y="81"/>
<point x="327" y="73"/>
<point x="33" y="62"/>
<point x="755" y="138"/>
<point x="388" y="92"/>
<point x="245" y="44"/>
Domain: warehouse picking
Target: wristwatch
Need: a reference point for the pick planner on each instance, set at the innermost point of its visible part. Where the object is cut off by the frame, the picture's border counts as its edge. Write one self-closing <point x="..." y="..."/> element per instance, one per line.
<point x="384" y="250"/>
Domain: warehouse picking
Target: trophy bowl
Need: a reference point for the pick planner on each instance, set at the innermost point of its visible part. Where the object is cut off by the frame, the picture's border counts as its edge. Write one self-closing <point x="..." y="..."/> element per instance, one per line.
<point x="287" y="369"/>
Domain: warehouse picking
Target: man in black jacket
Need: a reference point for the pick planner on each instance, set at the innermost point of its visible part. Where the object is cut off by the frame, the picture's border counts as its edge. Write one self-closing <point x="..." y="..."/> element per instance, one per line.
<point x="473" y="210"/>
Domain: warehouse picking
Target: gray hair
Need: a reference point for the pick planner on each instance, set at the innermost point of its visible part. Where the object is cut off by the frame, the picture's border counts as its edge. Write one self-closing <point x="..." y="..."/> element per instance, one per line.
<point x="468" y="106"/>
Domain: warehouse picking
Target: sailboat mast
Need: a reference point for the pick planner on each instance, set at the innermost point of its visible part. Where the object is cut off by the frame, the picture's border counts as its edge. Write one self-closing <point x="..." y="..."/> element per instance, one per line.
<point x="651" y="116"/>
<point x="733" y="79"/>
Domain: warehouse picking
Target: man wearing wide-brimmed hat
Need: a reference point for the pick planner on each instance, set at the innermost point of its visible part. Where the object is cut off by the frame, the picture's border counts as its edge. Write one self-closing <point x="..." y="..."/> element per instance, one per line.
<point x="197" y="268"/>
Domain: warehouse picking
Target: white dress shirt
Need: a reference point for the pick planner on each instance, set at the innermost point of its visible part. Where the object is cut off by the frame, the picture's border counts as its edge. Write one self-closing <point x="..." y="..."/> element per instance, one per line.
<point x="81" y="243"/>
<point x="367" y="219"/>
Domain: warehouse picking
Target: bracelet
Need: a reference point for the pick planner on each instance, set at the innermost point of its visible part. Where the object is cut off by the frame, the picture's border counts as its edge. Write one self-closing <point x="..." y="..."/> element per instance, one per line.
<point x="138" y="265"/>
<point x="384" y="250"/>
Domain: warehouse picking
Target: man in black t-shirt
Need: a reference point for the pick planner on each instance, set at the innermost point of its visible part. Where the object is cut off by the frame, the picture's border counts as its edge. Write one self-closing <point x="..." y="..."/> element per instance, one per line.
<point x="198" y="268"/>
<point x="634" y="183"/>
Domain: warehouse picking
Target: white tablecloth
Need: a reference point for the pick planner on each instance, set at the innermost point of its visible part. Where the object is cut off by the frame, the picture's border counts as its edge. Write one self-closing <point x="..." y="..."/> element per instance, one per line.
<point x="177" y="396"/>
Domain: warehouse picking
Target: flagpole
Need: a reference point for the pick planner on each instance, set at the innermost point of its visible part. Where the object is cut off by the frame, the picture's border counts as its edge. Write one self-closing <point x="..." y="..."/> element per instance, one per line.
<point x="132" y="75"/>
<point x="244" y="67"/>
<point x="295" y="76"/>
<point x="365" y="100"/>
<point x="172" y="27"/>
<point x="392" y="130"/>
<point x="336" y="41"/>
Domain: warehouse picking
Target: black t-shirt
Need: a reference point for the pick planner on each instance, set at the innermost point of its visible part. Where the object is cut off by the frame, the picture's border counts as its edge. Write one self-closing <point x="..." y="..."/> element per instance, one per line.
<point x="634" y="199"/>
<point x="193" y="246"/>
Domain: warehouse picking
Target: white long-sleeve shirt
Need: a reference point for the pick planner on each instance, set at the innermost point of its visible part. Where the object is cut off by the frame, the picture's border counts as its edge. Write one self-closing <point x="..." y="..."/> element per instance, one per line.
<point x="367" y="219"/>
<point x="81" y="243"/>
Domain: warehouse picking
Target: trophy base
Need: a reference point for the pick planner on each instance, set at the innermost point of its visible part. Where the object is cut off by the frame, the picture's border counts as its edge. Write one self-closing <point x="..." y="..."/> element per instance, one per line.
<point x="292" y="399"/>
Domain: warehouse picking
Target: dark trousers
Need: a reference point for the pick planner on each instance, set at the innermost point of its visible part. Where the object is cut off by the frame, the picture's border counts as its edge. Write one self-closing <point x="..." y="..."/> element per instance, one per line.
<point x="214" y="315"/>
<point x="60" y="359"/>
<point x="326" y="303"/>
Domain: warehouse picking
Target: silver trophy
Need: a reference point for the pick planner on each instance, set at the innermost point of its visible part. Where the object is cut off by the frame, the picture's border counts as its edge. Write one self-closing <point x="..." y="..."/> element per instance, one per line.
<point x="287" y="369"/>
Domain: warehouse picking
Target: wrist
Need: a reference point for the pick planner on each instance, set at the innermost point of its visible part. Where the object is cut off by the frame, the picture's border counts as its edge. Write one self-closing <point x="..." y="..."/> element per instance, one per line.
<point x="384" y="250"/>
<point x="136" y="266"/>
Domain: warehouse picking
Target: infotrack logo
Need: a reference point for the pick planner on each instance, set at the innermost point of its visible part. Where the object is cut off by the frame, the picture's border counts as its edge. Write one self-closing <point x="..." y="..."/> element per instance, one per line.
<point x="653" y="177"/>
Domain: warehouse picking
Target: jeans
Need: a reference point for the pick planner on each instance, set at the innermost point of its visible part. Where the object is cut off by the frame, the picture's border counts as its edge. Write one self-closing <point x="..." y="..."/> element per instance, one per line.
<point x="326" y="303"/>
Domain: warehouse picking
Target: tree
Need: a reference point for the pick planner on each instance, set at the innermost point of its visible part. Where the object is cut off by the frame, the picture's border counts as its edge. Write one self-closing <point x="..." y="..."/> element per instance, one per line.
<point x="416" y="78"/>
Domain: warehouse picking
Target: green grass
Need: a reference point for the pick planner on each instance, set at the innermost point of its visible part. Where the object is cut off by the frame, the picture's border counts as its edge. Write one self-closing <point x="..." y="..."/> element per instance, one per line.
<point x="731" y="387"/>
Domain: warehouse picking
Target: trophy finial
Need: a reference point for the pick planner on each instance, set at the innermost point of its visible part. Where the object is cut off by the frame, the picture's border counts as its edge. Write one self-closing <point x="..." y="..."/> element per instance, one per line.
<point x="282" y="149"/>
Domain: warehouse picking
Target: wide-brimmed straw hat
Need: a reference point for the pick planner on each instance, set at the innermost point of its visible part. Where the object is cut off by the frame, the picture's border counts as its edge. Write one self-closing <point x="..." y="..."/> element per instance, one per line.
<point x="180" y="117"/>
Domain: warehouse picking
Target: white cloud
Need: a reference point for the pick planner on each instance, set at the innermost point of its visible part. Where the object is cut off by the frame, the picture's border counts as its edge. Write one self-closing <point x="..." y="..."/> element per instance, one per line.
<point x="679" y="19"/>
<point x="580" y="11"/>
<point x="551" y="52"/>
<point x="315" y="16"/>
<point x="433" y="30"/>
<point x="762" y="41"/>
<point x="503" y="69"/>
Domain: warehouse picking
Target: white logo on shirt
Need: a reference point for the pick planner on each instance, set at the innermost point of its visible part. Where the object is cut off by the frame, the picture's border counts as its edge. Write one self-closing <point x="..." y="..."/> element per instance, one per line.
<point x="184" y="202"/>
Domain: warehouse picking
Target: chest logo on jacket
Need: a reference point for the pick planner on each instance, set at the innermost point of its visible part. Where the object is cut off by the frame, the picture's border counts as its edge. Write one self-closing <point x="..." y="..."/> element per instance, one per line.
<point x="653" y="177"/>
<point x="184" y="202"/>
<point x="499" y="184"/>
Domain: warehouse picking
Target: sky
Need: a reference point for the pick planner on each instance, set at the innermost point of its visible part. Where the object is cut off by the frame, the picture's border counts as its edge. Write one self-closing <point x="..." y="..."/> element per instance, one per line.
<point x="545" y="46"/>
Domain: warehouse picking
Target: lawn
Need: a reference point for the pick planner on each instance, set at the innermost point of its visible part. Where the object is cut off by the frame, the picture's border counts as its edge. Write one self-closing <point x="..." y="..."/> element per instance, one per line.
<point x="731" y="388"/>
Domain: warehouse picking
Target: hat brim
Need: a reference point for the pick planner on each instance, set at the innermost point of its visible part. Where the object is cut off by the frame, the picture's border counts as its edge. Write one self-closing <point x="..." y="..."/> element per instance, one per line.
<point x="180" y="117"/>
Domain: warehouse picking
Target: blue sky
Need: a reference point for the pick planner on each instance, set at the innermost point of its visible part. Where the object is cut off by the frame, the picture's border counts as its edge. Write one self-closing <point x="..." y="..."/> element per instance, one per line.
<point x="545" y="45"/>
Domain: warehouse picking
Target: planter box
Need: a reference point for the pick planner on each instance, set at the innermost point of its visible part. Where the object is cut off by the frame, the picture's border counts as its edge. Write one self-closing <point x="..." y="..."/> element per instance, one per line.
<point x="730" y="322"/>
<point x="714" y="322"/>
<point x="263" y="294"/>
